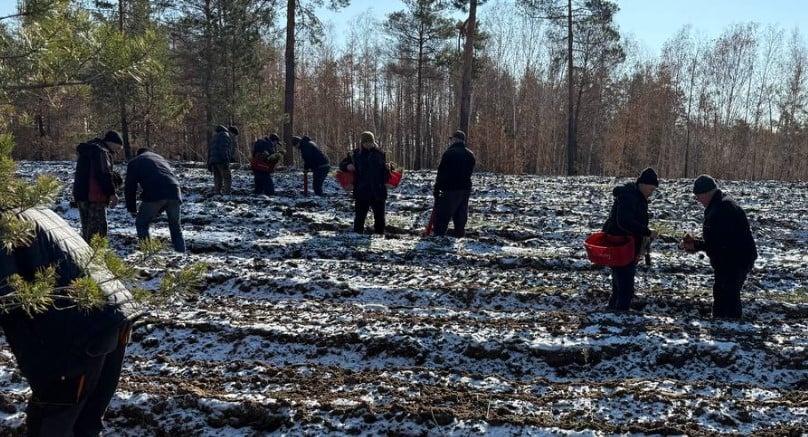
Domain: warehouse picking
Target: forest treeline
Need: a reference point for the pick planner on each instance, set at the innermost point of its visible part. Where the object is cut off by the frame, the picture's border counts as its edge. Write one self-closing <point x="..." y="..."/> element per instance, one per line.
<point x="166" y="72"/>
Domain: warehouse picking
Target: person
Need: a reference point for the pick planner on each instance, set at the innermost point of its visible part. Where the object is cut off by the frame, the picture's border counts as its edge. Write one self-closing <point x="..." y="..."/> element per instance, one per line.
<point x="233" y="131"/>
<point x="160" y="192"/>
<point x="220" y="154"/>
<point x="727" y="239"/>
<point x="629" y="217"/>
<point x="266" y="149"/>
<point x="71" y="357"/>
<point x="370" y="175"/>
<point x="96" y="182"/>
<point x="314" y="160"/>
<point x="453" y="186"/>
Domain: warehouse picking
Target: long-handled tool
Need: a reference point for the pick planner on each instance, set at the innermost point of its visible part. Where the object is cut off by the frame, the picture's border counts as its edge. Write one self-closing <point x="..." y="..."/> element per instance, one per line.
<point x="431" y="222"/>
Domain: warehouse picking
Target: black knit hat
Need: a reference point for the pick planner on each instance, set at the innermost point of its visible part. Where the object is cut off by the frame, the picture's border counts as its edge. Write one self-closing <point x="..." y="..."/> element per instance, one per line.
<point x="113" y="137"/>
<point x="648" y="176"/>
<point x="233" y="130"/>
<point x="459" y="134"/>
<point x="274" y="137"/>
<point x="295" y="140"/>
<point x="703" y="184"/>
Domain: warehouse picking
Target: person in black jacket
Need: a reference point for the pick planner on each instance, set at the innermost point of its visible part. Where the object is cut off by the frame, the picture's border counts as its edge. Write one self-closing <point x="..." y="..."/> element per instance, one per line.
<point x="727" y="239"/>
<point x="266" y="149"/>
<point x="95" y="183"/>
<point x="314" y="160"/>
<point x="160" y="192"/>
<point x="370" y="177"/>
<point x="71" y="357"/>
<point x="453" y="186"/>
<point x="629" y="217"/>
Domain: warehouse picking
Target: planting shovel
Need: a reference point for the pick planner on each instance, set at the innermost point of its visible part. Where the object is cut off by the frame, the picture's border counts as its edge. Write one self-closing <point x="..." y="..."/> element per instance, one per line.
<point x="429" y="224"/>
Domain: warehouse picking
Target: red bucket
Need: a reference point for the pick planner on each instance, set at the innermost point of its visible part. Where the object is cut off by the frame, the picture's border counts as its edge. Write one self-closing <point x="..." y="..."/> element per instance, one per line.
<point x="345" y="179"/>
<point x="258" y="164"/>
<point x="395" y="178"/>
<point x="606" y="250"/>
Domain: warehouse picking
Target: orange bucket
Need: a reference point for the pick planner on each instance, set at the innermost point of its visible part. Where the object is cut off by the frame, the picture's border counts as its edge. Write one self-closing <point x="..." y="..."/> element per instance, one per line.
<point x="609" y="250"/>
<point x="395" y="178"/>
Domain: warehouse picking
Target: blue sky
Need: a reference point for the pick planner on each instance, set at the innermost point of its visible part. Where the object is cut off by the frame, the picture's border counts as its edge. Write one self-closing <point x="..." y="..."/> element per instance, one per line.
<point x="651" y="22"/>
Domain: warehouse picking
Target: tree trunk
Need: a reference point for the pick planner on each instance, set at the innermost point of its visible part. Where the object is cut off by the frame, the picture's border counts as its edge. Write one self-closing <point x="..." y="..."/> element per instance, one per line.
<point x="571" y="146"/>
<point x="289" y="91"/>
<point x="468" y="58"/>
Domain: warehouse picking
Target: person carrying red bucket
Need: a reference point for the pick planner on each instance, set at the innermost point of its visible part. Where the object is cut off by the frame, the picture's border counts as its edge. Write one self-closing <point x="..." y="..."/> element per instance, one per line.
<point x="370" y="173"/>
<point x="624" y="235"/>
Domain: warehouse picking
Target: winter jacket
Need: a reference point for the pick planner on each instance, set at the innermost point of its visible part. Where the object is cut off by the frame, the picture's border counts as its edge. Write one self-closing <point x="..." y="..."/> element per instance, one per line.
<point x="629" y="214"/>
<point x="455" y="168"/>
<point x="220" y="148"/>
<point x="370" y="173"/>
<point x="312" y="156"/>
<point x="155" y="177"/>
<point x="57" y="342"/>
<point x="726" y="236"/>
<point x="94" y="178"/>
<point x="265" y="146"/>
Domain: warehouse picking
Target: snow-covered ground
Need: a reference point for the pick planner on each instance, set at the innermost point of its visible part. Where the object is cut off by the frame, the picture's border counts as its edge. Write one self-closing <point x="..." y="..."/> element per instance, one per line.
<point x="305" y="328"/>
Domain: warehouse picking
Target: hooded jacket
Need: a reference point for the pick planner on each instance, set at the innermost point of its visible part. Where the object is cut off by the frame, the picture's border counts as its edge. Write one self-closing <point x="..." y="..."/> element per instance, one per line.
<point x="370" y="173"/>
<point x="455" y="168"/>
<point x="629" y="214"/>
<point x="93" y="181"/>
<point x="312" y="156"/>
<point x="56" y="342"/>
<point x="727" y="237"/>
<point x="221" y="147"/>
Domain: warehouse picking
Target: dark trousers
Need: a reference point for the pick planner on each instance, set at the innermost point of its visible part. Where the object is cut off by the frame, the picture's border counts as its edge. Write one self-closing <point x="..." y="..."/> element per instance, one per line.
<point x="727" y="293"/>
<point x="452" y="205"/>
<point x="222" y="178"/>
<point x="93" y="216"/>
<point x="75" y="406"/>
<point x="622" y="286"/>
<point x="319" y="175"/>
<point x="264" y="183"/>
<point x="362" y="207"/>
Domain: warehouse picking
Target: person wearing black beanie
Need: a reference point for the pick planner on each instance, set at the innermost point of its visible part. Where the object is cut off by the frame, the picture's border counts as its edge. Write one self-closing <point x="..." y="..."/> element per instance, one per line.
<point x="727" y="239"/>
<point x="629" y="218"/>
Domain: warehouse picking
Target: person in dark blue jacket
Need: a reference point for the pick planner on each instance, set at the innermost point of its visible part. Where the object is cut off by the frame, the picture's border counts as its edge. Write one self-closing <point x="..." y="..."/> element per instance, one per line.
<point x="370" y="176"/>
<point x="220" y="155"/>
<point x="160" y="191"/>
<point x="727" y="239"/>
<point x="629" y="217"/>
<point x="71" y="357"/>
<point x="453" y="186"/>
<point x="313" y="159"/>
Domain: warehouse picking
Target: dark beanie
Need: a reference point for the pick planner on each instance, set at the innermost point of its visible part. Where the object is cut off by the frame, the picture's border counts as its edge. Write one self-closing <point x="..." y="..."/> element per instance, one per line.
<point x="233" y="130"/>
<point x="703" y="184"/>
<point x="460" y="135"/>
<point x="648" y="176"/>
<point x="295" y="139"/>
<point x="220" y="128"/>
<point x="113" y="137"/>
<point x="274" y="137"/>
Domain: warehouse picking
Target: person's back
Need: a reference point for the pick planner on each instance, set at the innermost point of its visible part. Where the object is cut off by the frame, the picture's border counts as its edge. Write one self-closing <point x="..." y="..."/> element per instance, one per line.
<point x="371" y="174"/>
<point x="727" y="236"/>
<point x="89" y="183"/>
<point x="154" y="175"/>
<point x="313" y="157"/>
<point x="63" y="350"/>
<point x="221" y="146"/>
<point x="456" y="167"/>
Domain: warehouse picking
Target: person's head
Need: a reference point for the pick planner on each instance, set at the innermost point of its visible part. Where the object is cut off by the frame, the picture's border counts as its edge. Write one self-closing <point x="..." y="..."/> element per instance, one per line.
<point x="367" y="140"/>
<point x="233" y="130"/>
<point x="458" y="136"/>
<point x="296" y="141"/>
<point x="704" y="187"/>
<point x="113" y="140"/>
<point x="648" y="182"/>
<point x="274" y="137"/>
<point x="220" y="128"/>
<point x="143" y="150"/>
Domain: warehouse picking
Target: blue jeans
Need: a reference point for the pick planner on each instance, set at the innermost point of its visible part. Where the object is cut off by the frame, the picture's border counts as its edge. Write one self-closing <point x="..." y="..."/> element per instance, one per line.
<point x="150" y="210"/>
<point x="622" y="286"/>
